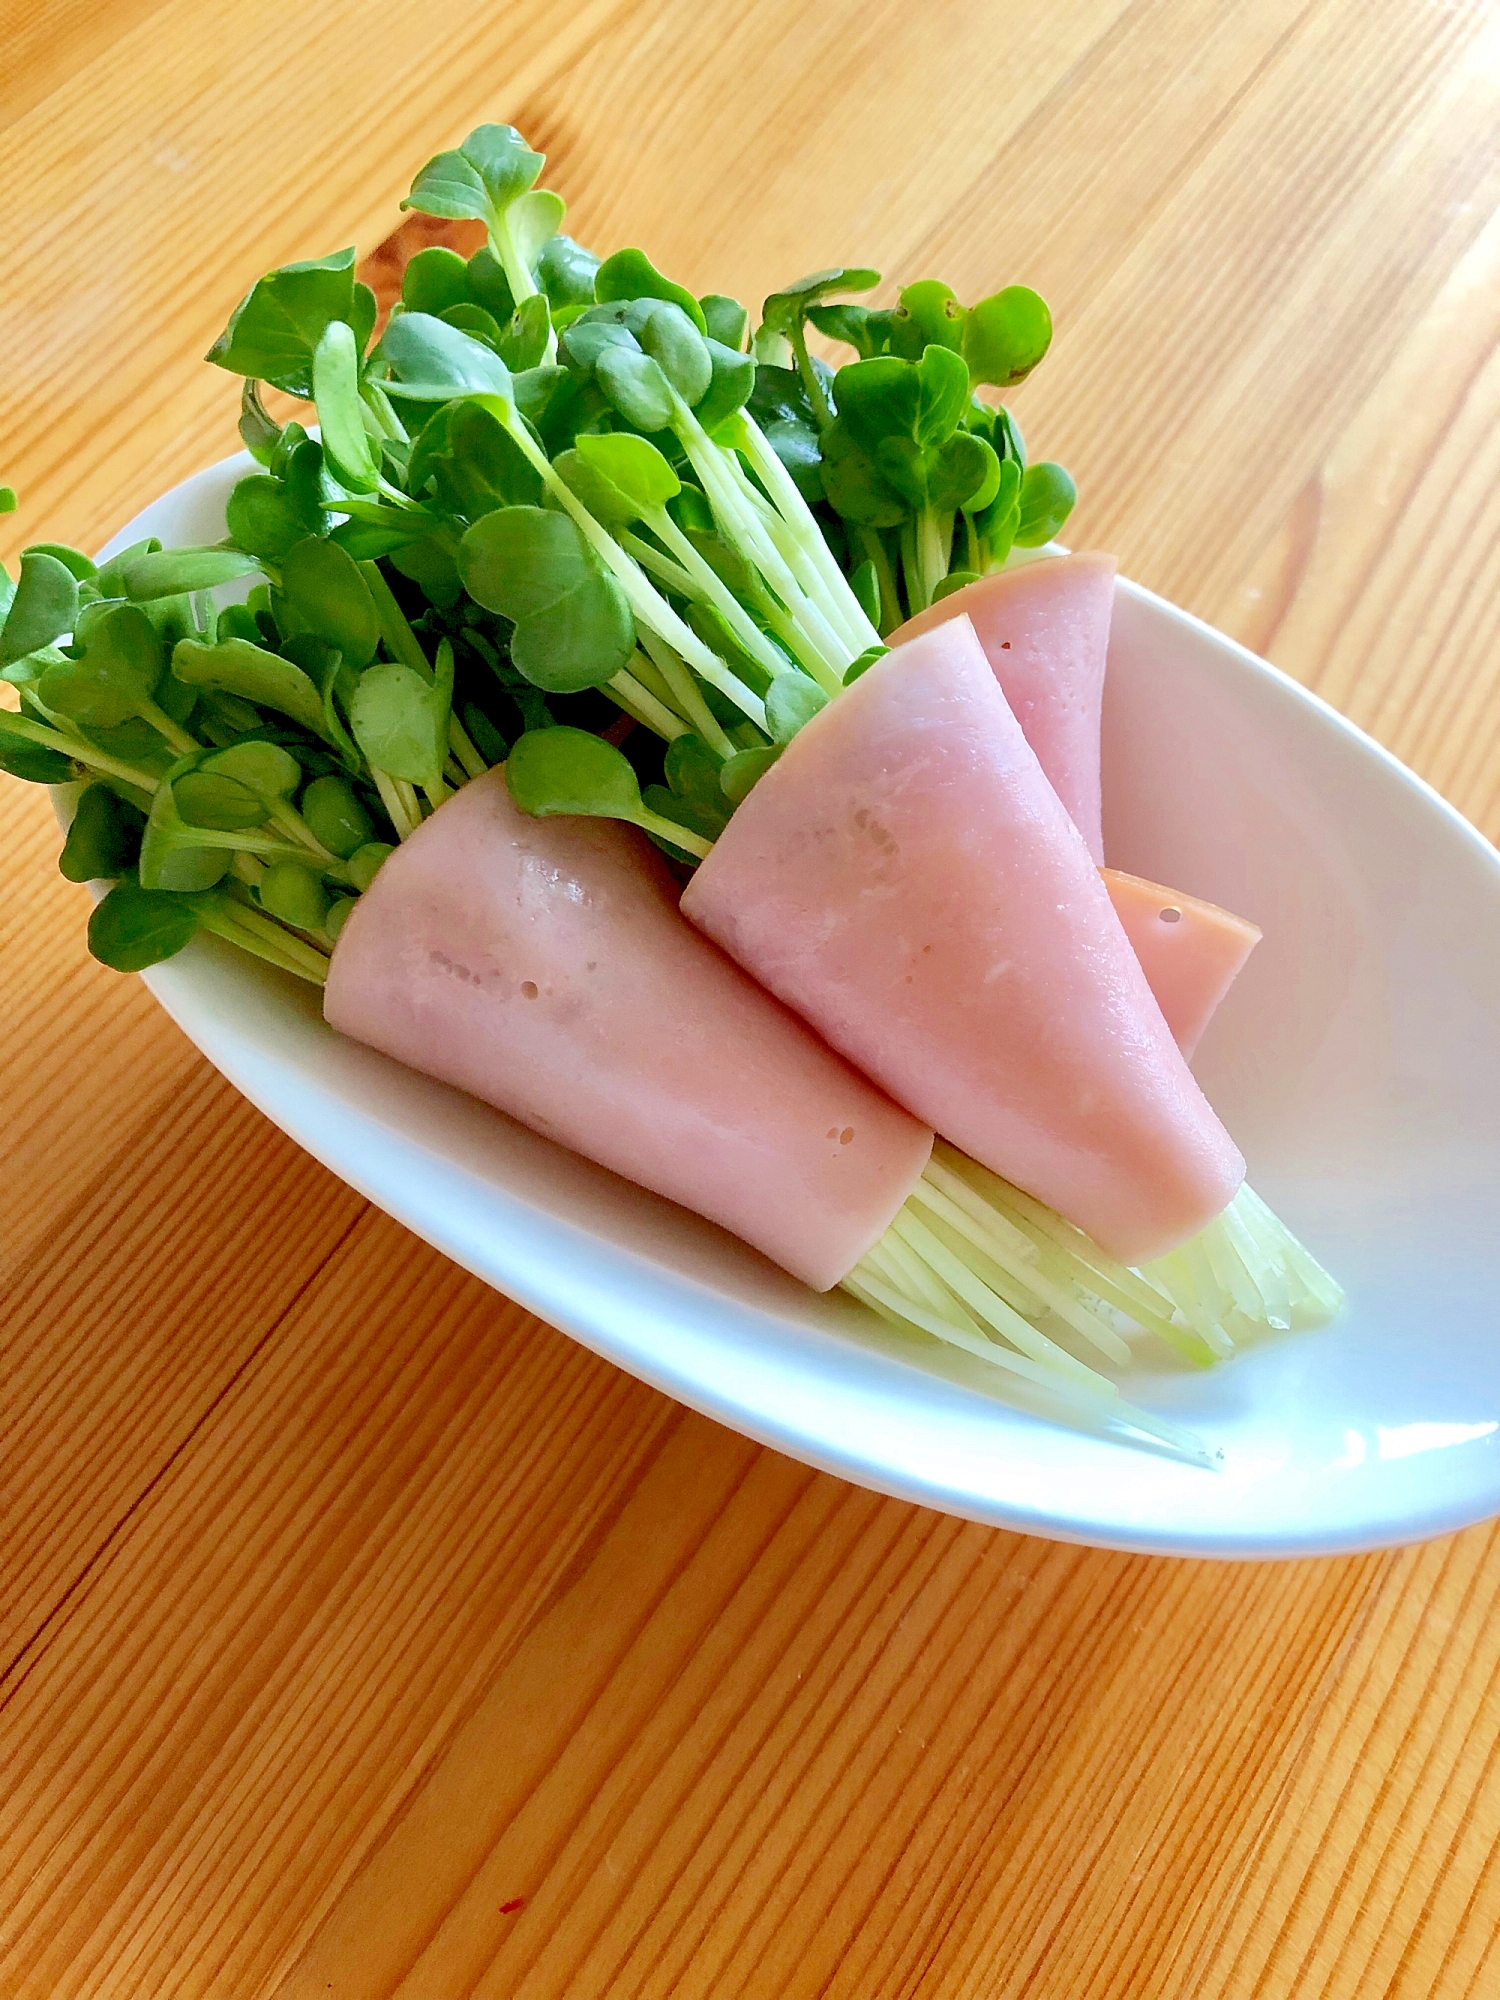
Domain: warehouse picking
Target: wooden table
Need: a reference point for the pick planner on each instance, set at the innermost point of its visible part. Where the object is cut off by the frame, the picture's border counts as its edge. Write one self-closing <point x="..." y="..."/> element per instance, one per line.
<point x="362" y="1636"/>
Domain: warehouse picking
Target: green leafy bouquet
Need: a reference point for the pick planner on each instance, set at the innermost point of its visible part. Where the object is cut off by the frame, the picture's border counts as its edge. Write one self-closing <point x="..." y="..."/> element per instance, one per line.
<point x="561" y="512"/>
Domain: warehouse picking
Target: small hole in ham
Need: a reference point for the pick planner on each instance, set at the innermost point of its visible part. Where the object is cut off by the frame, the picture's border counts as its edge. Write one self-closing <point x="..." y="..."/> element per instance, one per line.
<point x="528" y="989"/>
<point x="1005" y="645"/>
<point x="846" y="1135"/>
<point x="1171" y="916"/>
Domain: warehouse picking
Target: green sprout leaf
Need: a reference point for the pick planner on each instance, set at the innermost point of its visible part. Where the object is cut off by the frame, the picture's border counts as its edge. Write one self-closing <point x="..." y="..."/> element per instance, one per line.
<point x="1004" y="337"/>
<point x="400" y="722"/>
<point x="523" y="342"/>
<point x="559" y="770"/>
<point x="692" y="773"/>
<point x="104" y="840"/>
<point x="784" y="311"/>
<point x="45" y="606"/>
<point x="322" y="588"/>
<point x="174" y="854"/>
<point x="335" y="372"/>
<point x="630" y="475"/>
<point x="929" y="315"/>
<point x="434" y="362"/>
<point x="434" y="279"/>
<point x="853" y="482"/>
<point x="333" y="811"/>
<point x="175" y="572"/>
<point x="135" y="927"/>
<point x="867" y="329"/>
<point x="996" y="525"/>
<point x="267" y="769"/>
<point x="471" y="463"/>
<point x="630" y="274"/>
<point x="8" y="502"/>
<point x="33" y="762"/>
<point x="675" y="343"/>
<point x="955" y="580"/>
<point x="293" y="893"/>
<point x="1047" y="497"/>
<point x="236" y="666"/>
<point x="72" y="559"/>
<point x="262" y="518"/>
<point x="430" y="565"/>
<point x="480" y="179"/>
<point x="469" y="318"/>
<point x="740" y="773"/>
<point x="791" y="701"/>
<point x="730" y="385"/>
<point x="117" y="675"/>
<point x="364" y="863"/>
<point x="259" y="431"/>
<point x="637" y="387"/>
<point x="566" y="271"/>
<point x="779" y="404"/>
<point x="217" y="800"/>
<point x="724" y="320"/>
<point x="573" y="626"/>
<point x="276" y="327"/>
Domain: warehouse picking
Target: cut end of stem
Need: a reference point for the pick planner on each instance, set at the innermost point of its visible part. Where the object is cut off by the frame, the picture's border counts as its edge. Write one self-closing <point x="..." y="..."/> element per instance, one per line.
<point x="981" y="1266"/>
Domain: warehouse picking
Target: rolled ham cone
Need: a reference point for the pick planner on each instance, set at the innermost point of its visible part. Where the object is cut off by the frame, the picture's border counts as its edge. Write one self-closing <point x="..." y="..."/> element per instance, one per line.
<point x="908" y="881"/>
<point x="1045" y="631"/>
<point x="1191" y="951"/>
<point x="542" y="965"/>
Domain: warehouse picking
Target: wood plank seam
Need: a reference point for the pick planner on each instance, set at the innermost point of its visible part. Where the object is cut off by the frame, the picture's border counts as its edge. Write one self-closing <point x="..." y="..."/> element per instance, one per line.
<point x="12" y="1678"/>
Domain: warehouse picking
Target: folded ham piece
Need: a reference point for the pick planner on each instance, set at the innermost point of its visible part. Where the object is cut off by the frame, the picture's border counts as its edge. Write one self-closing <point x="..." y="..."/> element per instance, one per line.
<point x="1045" y="630"/>
<point x="542" y="965"/>
<point x="1190" y="951"/>
<point x="906" y="878"/>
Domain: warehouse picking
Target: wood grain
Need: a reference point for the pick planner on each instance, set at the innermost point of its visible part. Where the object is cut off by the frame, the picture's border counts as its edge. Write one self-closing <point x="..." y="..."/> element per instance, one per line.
<point x="360" y="1635"/>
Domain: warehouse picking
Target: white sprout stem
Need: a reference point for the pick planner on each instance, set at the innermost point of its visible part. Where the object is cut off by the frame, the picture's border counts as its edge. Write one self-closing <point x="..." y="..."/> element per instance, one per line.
<point x="717" y="592"/>
<point x="462" y="745"/>
<point x="385" y="415"/>
<point x="394" y="627"/>
<point x="660" y="566"/>
<point x="78" y="751"/>
<point x="1097" y="1398"/>
<point x="984" y="1303"/>
<point x="991" y="1244"/>
<point x="795" y="511"/>
<point x="406" y="791"/>
<point x="977" y="1263"/>
<point x="825" y="610"/>
<point x="645" y="670"/>
<point x="686" y="693"/>
<point x="680" y="836"/>
<point x="820" y="648"/>
<point x="646" y="601"/>
<point x="165" y="727"/>
<point x="264" y="938"/>
<point x="394" y="804"/>
<point x="643" y="707"/>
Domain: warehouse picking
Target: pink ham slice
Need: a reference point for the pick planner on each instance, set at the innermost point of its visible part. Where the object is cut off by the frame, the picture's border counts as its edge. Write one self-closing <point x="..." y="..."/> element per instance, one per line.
<point x="542" y="965"/>
<point x="1045" y="631"/>
<point x="906" y="878"/>
<point x="1190" y="951"/>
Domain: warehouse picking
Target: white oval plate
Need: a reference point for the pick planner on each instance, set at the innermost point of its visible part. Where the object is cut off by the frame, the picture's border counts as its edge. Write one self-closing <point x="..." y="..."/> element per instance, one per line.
<point x="1357" y="1062"/>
